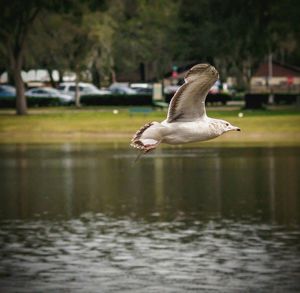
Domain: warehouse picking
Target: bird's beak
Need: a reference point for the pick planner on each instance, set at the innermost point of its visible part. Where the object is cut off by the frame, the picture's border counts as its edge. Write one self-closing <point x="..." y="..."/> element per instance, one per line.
<point x="234" y="128"/>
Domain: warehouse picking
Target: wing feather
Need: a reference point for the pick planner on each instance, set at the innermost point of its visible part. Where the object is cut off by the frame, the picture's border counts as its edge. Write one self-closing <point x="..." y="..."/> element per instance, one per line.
<point x="188" y="103"/>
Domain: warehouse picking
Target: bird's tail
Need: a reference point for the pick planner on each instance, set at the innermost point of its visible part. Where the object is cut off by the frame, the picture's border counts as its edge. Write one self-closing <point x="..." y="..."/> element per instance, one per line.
<point x="145" y="145"/>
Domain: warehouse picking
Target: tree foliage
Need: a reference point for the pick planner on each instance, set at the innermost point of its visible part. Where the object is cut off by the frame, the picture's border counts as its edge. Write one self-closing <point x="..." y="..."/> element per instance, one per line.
<point x="238" y="35"/>
<point x="108" y="36"/>
<point x="146" y="35"/>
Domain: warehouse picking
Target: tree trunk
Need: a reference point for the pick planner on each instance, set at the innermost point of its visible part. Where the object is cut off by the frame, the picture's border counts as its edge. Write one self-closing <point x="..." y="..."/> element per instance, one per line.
<point x="142" y="72"/>
<point x="21" y="103"/>
<point x="113" y="78"/>
<point x="53" y="83"/>
<point x="14" y="35"/>
<point x="96" y="78"/>
<point x="60" y="76"/>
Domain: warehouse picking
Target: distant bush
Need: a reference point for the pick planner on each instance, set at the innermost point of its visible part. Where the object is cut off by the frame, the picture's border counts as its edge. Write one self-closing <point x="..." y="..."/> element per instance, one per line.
<point x="238" y="96"/>
<point x="256" y="101"/>
<point x="116" y="100"/>
<point x="42" y="102"/>
<point x="92" y="100"/>
<point x="168" y="98"/>
<point x="7" y="102"/>
<point x="211" y="98"/>
<point x="218" y="98"/>
<point x="10" y="102"/>
<point x="285" y="98"/>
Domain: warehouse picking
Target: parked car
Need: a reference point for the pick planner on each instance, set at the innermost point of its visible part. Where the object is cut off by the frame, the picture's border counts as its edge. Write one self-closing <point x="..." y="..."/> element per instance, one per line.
<point x="7" y="91"/>
<point x="84" y="89"/>
<point x="48" y="92"/>
<point x="142" y="88"/>
<point x="171" y="89"/>
<point x="121" y="89"/>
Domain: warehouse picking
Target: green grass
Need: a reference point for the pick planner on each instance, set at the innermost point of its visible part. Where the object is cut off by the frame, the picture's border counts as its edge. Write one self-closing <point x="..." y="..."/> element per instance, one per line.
<point x="99" y="125"/>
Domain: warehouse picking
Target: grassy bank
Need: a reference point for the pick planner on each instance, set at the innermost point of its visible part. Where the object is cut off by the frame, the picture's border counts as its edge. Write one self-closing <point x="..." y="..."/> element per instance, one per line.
<point x="101" y="125"/>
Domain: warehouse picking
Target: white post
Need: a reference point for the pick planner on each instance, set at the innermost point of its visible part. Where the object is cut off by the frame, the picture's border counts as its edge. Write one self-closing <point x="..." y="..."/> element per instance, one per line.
<point x="270" y="67"/>
<point x="270" y="76"/>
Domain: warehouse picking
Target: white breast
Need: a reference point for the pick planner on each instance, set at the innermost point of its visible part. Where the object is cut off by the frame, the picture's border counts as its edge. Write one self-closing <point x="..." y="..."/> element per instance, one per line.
<point x="184" y="132"/>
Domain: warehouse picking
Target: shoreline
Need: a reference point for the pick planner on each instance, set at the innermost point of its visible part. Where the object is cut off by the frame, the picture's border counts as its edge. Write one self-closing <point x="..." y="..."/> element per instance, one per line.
<point x="279" y="126"/>
<point x="245" y="140"/>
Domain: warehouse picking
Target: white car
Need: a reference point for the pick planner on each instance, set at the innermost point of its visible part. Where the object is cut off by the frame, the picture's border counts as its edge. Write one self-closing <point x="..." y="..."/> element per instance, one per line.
<point x="142" y="88"/>
<point x="171" y="89"/>
<point x="84" y="89"/>
<point x="47" y="92"/>
<point x="122" y="89"/>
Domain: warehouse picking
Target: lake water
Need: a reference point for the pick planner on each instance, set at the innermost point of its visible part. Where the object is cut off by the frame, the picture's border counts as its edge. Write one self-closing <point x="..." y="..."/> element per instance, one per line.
<point x="81" y="218"/>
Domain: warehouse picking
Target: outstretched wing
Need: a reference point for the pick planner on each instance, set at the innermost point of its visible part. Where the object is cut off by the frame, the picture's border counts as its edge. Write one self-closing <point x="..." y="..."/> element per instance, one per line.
<point x="188" y="103"/>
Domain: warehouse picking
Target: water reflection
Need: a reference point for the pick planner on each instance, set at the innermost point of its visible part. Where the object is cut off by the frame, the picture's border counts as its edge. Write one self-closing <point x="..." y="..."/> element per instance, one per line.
<point x="81" y="218"/>
<point x="70" y="180"/>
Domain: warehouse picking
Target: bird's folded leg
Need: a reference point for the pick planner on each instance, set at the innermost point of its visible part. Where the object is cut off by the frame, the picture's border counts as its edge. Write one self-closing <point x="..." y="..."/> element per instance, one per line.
<point x="150" y="147"/>
<point x="144" y="148"/>
<point x="145" y="145"/>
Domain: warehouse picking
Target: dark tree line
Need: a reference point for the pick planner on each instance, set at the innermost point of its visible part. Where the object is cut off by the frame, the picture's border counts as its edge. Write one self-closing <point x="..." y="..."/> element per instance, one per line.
<point x="105" y="37"/>
<point x="238" y="35"/>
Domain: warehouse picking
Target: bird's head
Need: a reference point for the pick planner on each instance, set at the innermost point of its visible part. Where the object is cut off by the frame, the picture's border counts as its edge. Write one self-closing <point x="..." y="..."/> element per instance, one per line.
<point x="206" y="72"/>
<point x="226" y="126"/>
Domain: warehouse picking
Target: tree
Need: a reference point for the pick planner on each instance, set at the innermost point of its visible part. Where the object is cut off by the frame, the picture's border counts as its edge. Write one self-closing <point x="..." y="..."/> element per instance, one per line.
<point x="101" y="27"/>
<point x="145" y="36"/>
<point x="230" y="34"/>
<point x="17" y="18"/>
<point x="73" y="40"/>
<point x="237" y="35"/>
<point x="50" y="36"/>
<point x="284" y="25"/>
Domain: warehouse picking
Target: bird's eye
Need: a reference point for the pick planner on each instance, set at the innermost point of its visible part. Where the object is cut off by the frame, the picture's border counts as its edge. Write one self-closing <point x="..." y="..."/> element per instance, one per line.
<point x="227" y="124"/>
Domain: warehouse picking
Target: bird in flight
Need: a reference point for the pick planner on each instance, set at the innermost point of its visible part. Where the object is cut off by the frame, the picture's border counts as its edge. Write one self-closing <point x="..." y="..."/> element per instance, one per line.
<point x="186" y="120"/>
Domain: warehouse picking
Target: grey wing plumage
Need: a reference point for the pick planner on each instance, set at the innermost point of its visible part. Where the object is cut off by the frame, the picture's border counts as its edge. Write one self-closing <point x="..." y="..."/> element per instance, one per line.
<point x="188" y="103"/>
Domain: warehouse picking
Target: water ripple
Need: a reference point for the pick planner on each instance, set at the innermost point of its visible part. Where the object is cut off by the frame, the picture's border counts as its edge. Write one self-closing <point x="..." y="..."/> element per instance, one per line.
<point x="126" y="255"/>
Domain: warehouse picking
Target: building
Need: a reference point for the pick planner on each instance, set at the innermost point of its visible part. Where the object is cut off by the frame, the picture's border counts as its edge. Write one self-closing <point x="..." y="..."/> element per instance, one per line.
<point x="275" y="77"/>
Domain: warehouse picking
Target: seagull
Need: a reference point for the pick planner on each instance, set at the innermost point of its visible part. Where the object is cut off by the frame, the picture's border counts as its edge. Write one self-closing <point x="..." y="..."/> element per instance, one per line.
<point x="186" y="120"/>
